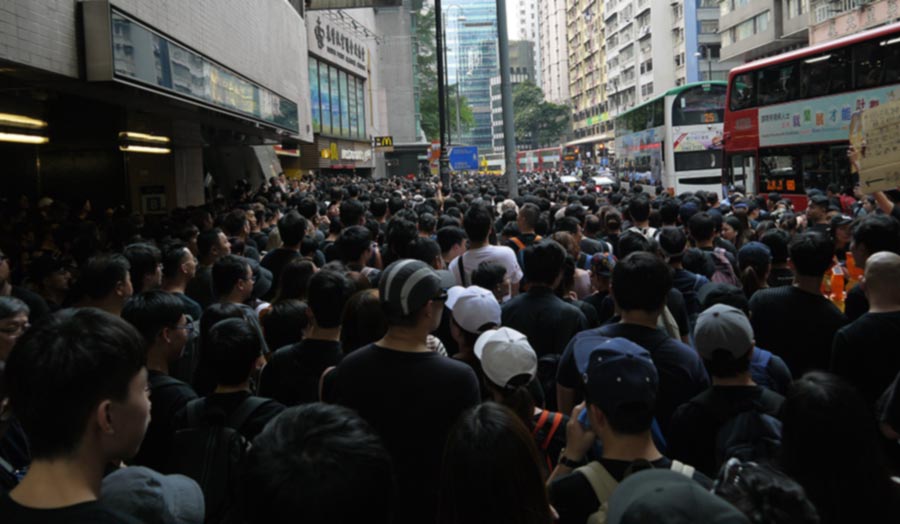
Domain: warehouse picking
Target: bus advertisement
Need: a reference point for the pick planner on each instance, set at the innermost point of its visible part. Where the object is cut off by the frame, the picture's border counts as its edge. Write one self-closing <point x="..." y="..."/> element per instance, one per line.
<point x="674" y="141"/>
<point x="788" y="117"/>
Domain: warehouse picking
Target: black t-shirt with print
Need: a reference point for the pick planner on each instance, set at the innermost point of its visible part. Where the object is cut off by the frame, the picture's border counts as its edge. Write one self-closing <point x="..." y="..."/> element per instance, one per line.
<point x="292" y="375"/>
<point x="94" y="512"/>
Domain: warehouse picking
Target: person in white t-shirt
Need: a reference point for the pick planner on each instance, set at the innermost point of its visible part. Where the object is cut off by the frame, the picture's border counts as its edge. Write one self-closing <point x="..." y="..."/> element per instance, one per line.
<point x="478" y="223"/>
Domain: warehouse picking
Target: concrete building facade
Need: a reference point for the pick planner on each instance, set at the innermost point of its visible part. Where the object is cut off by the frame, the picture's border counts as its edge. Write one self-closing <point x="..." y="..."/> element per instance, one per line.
<point x="752" y="29"/>
<point x="554" y="54"/>
<point x="591" y="123"/>
<point x="521" y="70"/>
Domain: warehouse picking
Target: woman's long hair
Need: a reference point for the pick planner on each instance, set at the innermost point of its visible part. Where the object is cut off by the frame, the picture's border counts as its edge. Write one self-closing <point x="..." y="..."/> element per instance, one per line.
<point x="492" y="471"/>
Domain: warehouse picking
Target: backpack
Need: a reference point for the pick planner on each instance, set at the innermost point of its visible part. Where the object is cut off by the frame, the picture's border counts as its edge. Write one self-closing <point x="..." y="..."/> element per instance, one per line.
<point x="724" y="272"/>
<point x="555" y="422"/>
<point x="547" y="367"/>
<point x="650" y="233"/>
<point x="604" y="484"/>
<point x="211" y="451"/>
<point x="751" y="435"/>
<point x="520" y="252"/>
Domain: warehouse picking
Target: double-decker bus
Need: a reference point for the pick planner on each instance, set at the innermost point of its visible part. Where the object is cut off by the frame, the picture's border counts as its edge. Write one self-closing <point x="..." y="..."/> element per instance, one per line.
<point x="674" y="140"/>
<point x="788" y="118"/>
<point x="538" y="160"/>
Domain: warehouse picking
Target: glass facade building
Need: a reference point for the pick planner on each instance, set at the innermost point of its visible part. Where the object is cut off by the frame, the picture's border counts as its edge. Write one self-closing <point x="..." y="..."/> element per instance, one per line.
<point x="472" y="60"/>
<point x="337" y="100"/>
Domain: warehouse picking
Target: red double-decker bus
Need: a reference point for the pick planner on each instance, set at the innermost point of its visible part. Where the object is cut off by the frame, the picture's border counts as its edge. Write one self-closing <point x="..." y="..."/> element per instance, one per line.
<point x="788" y="117"/>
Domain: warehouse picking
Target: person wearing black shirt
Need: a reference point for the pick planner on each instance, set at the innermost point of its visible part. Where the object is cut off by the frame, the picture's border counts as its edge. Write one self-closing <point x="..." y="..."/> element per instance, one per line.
<point x="212" y="245"/>
<point x="865" y="351"/>
<point x="409" y="394"/>
<point x="292" y="228"/>
<point x="872" y="234"/>
<point x="236" y="354"/>
<point x="621" y="391"/>
<point x="179" y="268"/>
<point x="166" y="330"/>
<point x="547" y="320"/>
<point x="292" y="374"/>
<point x="640" y="284"/>
<point x="724" y="338"/>
<point x="777" y="240"/>
<point x="797" y="323"/>
<point x="78" y="385"/>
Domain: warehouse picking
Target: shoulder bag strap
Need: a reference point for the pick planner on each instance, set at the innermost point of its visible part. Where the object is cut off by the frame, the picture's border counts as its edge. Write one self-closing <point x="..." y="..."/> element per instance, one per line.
<point x="601" y="481"/>
<point x="540" y="422"/>
<point x="557" y="420"/>
<point x="684" y="469"/>
<point x="194" y="410"/>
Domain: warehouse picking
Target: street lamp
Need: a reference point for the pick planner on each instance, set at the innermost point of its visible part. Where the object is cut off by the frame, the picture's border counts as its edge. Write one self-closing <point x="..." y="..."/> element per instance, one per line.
<point x="708" y="60"/>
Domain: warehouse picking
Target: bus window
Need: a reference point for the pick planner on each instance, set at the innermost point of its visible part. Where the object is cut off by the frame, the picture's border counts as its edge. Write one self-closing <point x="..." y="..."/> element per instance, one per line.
<point x="743" y="93"/>
<point x="740" y="170"/>
<point x="869" y="64"/>
<point x="699" y="105"/>
<point x="776" y="84"/>
<point x="698" y="160"/>
<point x="780" y="172"/>
<point x="825" y="74"/>
<point x="891" y="61"/>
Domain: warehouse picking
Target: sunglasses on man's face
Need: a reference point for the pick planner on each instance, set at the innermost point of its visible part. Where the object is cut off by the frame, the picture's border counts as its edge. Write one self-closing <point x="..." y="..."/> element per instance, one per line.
<point x="441" y="297"/>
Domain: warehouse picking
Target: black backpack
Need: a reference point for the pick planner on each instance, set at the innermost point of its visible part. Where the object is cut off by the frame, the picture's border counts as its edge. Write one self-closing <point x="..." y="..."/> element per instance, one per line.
<point x="747" y="431"/>
<point x="211" y="451"/>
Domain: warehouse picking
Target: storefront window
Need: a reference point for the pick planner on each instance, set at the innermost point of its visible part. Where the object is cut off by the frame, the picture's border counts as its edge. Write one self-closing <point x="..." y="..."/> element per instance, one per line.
<point x="335" y="100"/>
<point x="315" y="103"/>
<point x="354" y="109"/>
<point x="345" y="111"/>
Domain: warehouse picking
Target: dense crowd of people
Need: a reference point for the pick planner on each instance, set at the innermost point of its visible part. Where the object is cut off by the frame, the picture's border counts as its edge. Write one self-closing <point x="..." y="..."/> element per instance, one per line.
<point x="337" y="349"/>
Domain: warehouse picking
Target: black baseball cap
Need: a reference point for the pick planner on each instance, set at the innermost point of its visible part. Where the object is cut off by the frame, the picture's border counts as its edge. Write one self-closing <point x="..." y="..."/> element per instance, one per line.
<point x="407" y="285"/>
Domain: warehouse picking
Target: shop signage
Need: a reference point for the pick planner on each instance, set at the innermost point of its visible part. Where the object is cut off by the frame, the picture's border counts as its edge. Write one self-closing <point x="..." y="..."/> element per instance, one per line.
<point x="336" y="44"/>
<point x="363" y="155"/>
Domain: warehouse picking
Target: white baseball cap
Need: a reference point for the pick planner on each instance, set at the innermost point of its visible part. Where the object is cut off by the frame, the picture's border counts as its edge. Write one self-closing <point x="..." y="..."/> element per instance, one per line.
<point x="473" y="307"/>
<point x="506" y="354"/>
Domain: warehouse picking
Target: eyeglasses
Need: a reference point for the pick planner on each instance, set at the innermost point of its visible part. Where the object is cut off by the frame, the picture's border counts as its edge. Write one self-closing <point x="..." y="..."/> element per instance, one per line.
<point x="441" y="297"/>
<point x="15" y="330"/>
<point x="188" y="327"/>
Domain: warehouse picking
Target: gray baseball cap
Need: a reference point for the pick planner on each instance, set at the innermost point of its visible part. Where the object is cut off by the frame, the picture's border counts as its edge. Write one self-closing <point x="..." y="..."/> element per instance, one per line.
<point x="152" y="497"/>
<point x="407" y="285"/>
<point x="723" y="327"/>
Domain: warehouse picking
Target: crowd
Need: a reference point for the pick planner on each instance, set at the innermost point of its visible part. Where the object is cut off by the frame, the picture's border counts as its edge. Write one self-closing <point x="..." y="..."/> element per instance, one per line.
<point x="336" y="350"/>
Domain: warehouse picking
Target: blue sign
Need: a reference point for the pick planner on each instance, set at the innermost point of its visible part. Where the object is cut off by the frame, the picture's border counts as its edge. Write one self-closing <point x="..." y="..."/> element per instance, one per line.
<point x="464" y="158"/>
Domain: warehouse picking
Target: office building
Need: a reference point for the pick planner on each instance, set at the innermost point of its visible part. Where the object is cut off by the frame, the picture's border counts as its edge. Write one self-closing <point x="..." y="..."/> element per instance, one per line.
<point x="554" y="54"/>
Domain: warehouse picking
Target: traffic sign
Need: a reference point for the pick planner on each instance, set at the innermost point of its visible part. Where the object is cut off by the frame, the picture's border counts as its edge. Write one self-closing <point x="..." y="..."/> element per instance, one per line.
<point x="464" y="158"/>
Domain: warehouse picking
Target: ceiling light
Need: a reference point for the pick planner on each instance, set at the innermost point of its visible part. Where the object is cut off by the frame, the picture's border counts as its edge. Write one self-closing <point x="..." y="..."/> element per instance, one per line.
<point x="143" y="137"/>
<point x="23" y="139"/>
<point x="21" y="121"/>
<point x="145" y="149"/>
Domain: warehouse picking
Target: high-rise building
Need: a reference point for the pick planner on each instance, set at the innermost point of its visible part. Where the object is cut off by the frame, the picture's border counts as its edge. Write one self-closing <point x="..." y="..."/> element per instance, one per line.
<point x="521" y="69"/>
<point x="554" y="55"/>
<point x="640" y="50"/>
<point x="829" y="19"/>
<point x="587" y="79"/>
<point x="472" y="60"/>
<point x="525" y="14"/>
<point x="752" y="29"/>
<point x="698" y="49"/>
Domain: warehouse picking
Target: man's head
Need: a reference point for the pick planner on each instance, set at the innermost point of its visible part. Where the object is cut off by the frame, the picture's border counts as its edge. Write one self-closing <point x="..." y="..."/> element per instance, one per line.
<point x="620" y="384"/>
<point x="777" y="240"/>
<point x="212" y="244"/>
<point x="702" y="227"/>
<point x="413" y="294"/>
<point x="724" y="339"/>
<point x="106" y="277"/>
<point x="159" y="317"/>
<point x="353" y="213"/>
<point x="327" y="293"/>
<point x="639" y="209"/>
<point x="145" y="261"/>
<point x="672" y="243"/>
<point x="492" y="276"/>
<point x="354" y="245"/>
<point x="179" y="263"/>
<point x="292" y="228"/>
<point x="882" y="280"/>
<point x="232" y="278"/>
<point x="641" y="281"/>
<point x="478" y="222"/>
<point x="527" y="217"/>
<point x="872" y="234"/>
<point x="235" y="351"/>
<point x="817" y="208"/>
<point x="77" y="382"/>
<point x="452" y="241"/>
<point x="306" y="461"/>
<point x="543" y="263"/>
<point x="506" y="357"/>
<point x="236" y="223"/>
<point x="812" y="254"/>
